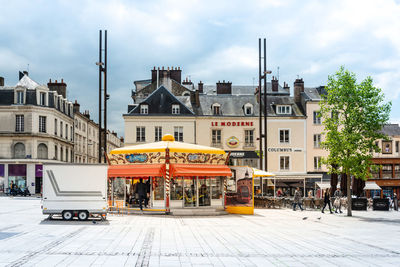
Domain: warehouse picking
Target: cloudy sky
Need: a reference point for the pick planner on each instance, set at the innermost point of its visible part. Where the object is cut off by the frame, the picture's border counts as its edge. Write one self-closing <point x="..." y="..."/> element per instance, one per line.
<point x="209" y="40"/>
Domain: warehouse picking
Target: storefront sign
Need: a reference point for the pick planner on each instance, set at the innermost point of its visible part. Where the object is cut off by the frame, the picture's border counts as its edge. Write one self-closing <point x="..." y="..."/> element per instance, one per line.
<point x="284" y="149"/>
<point x="231" y="123"/>
<point x="232" y="142"/>
<point x="243" y="154"/>
<point x="136" y="158"/>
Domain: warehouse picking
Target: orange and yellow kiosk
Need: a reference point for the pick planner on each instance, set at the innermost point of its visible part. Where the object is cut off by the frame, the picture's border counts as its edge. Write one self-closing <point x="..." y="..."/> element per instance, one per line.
<point x="178" y="175"/>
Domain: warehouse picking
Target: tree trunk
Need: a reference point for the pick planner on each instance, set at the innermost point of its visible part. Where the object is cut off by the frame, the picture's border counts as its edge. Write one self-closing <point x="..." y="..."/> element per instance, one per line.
<point x="334" y="182"/>
<point x="348" y="195"/>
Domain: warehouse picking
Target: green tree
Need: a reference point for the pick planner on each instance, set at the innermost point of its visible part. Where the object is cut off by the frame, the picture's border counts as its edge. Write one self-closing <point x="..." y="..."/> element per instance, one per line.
<point x="353" y="116"/>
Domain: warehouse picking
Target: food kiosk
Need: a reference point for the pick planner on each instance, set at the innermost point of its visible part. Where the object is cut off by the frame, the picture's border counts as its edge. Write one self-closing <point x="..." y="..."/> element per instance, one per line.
<point x="178" y="175"/>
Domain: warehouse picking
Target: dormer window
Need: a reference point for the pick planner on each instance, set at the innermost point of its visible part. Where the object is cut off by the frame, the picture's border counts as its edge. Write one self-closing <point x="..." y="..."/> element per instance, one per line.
<point x="283" y="109"/>
<point x="175" y="109"/>
<point x="248" y="109"/>
<point x="216" y="108"/>
<point x="20" y="97"/>
<point x="42" y="99"/>
<point x="144" y="109"/>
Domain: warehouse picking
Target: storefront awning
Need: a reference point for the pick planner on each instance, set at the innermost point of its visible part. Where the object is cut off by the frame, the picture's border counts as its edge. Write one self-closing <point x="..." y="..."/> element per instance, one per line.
<point x="199" y="170"/>
<point x="261" y="173"/>
<point x="371" y="186"/>
<point x="325" y="185"/>
<point x="145" y="170"/>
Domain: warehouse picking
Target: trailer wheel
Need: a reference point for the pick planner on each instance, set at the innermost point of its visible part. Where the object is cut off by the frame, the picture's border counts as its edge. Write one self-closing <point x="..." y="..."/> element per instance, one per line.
<point x="83" y="215"/>
<point x="67" y="215"/>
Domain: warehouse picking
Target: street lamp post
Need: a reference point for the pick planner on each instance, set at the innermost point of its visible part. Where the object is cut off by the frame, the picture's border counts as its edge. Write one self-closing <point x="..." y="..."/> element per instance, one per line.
<point x="102" y="112"/>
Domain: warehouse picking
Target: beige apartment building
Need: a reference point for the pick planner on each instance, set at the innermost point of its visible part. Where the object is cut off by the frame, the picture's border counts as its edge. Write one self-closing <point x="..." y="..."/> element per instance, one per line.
<point x="36" y="127"/>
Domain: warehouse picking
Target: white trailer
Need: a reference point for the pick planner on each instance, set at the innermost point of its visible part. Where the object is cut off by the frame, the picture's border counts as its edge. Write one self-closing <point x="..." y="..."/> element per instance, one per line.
<point x="75" y="190"/>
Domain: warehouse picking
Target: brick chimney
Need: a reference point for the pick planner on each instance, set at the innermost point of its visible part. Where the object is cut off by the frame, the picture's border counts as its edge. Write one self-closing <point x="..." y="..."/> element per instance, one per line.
<point x="286" y="86"/>
<point x="76" y="107"/>
<point x="1" y="81"/>
<point x="59" y="87"/>
<point x="200" y="88"/>
<point x="187" y="82"/>
<point x="224" y="88"/>
<point x="274" y="84"/>
<point x="298" y="89"/>
<point x="173" y="73"/>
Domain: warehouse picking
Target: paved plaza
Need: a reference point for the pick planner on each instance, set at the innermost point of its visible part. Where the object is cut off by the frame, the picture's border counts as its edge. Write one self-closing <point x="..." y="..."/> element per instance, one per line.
<point x="269" y="238"/>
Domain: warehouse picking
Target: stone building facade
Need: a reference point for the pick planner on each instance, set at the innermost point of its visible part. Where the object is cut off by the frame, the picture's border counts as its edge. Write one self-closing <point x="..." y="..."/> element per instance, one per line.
<point x="36" y="127"/>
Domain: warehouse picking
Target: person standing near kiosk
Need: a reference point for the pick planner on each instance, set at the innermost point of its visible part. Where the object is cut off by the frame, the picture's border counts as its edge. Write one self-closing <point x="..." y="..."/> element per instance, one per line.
<point x="141" y="191"/>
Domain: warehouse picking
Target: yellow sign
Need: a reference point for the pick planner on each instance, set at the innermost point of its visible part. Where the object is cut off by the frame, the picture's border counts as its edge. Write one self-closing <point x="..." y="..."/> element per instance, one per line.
<point x="232" y="142"/>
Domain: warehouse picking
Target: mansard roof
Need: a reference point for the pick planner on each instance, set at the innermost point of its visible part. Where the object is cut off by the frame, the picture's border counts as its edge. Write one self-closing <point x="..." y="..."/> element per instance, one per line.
<point x="160" y="102"/>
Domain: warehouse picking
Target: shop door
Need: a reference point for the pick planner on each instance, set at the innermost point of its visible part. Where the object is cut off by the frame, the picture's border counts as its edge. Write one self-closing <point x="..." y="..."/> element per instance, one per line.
<point x="38" y="185"/>
<point x="204" y="191"/>
<point x="190" y="192"/>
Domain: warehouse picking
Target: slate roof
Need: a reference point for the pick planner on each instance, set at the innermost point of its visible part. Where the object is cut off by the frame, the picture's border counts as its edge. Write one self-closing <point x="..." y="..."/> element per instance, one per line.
<point x="313" y="93"/>
<point x="160" y="103"/>
<point x="391" y="130"/>
<point x="244" y="89"/>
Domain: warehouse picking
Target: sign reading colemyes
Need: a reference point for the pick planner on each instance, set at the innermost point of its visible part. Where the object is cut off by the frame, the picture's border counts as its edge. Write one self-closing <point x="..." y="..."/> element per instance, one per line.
<point x="231" y="123"/>
<point x="284" y="149"/>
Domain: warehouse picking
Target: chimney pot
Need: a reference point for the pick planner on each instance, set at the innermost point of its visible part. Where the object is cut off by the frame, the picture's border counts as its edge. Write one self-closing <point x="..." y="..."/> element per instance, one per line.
<point x="62" y="80"/>
<point x="56" y="81"/>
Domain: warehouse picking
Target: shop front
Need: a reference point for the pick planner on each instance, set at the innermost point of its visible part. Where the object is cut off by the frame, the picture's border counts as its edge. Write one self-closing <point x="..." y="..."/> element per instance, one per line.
<point x="176" y="176"/>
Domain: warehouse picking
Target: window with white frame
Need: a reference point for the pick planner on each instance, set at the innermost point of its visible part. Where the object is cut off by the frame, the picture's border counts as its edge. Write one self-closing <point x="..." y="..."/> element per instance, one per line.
<point x="249" y="137"/>
<point x="316" y="117"/>
<point x="72" y="135"/>
<point x="284" y="136"/>
<point x="55" y="126"/>
<point x="144" y="109"/>
<point x="216" y="137"/>
<point x="175" y="109"/>
<point x="317" y="163"/>
<point x="61" y="129"/>
<point x="20" y="97"/>
<point x="66" y="131"/>
<point x="42" y="124"/>
<point x="19" y="123"/>
<point x="317" y="140"/>
<point x="42" y="98"/>
<point x="284" y="163"/>
<point x="248" y="109"/>
<point x="157" y="133"/>
<point x="178" y="133"/>
<point x="283" y="109"/>
<point x="140" y="134"/>
<point x="216" y="109"/>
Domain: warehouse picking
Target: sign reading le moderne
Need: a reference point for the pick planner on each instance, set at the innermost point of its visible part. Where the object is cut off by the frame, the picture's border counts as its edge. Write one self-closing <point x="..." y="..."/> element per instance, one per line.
<point x="231" y="123"/>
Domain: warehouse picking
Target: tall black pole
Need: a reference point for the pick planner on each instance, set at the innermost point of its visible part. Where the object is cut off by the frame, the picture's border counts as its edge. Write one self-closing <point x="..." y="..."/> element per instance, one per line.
<point x="265" y="107"/>
<point x="260" y="103"/>
<point x="100" y="132"/>
<point x="105" y="95"/>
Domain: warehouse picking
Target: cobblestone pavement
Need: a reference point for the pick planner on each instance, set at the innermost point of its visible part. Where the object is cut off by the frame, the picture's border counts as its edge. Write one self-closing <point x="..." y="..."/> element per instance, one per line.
<point x="269" y="238"/>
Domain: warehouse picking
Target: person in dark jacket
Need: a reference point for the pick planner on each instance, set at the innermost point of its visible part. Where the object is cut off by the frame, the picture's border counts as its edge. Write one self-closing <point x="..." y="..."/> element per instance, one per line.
<point x="146" y="201"/>
<point x="327" y="201"/>
<point x="141" y="191"/>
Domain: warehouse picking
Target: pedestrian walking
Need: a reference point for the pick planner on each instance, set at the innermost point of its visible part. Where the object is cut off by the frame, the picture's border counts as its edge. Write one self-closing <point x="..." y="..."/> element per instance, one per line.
<point x="337" y="203"/>
<point x="327" y="201"/>
<point x="141" y="191"/>
<point x="297" y="199"/>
